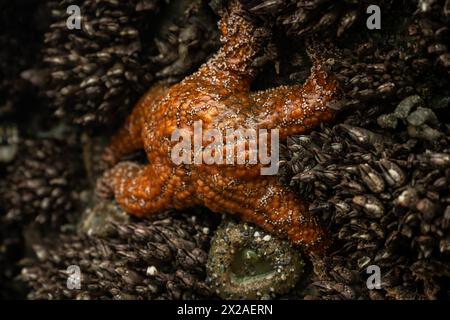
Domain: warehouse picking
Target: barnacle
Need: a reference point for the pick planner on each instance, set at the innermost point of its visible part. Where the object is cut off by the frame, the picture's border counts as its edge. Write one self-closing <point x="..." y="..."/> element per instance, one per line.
<point x="422" y="122"/>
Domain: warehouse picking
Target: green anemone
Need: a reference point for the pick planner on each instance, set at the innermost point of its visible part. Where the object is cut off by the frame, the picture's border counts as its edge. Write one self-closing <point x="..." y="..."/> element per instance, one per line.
<point x="247" y="263"/>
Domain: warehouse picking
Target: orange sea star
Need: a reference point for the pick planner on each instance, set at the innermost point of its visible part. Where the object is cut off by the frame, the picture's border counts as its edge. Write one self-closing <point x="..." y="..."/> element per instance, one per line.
<point x="219" y="95"/>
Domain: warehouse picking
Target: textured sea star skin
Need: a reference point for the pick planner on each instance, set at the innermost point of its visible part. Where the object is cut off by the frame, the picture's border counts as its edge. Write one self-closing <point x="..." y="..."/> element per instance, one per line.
<point x="219" y="95"/>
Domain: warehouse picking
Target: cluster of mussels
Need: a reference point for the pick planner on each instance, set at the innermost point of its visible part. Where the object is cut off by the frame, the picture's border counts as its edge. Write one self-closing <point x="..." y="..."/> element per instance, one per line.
<point x="43" y="185"/>
<point x="41" y="191"/>
<point x="380" y="178"/>
<point x="300" y="18"/>
<point x="408" y="56"/>
<point x="162" y="258"/>
<point x="384" y="197"/>
<point x="93" y="72"/>
<point x="94" y="75"/>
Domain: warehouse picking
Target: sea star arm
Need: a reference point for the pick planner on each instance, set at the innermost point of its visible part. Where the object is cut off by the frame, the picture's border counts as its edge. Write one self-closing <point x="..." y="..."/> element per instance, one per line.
<point x="266" y="203"/>
<point x="137" y="188"/>
<point x="296" y="109"/>
<point x="231" y="69"/>
<point x="128" y="139"/>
